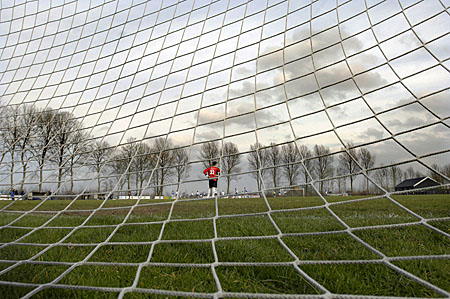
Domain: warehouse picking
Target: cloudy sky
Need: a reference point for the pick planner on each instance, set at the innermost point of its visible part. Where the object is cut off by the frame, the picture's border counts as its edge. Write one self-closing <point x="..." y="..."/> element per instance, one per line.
<point x="238" y="71"/>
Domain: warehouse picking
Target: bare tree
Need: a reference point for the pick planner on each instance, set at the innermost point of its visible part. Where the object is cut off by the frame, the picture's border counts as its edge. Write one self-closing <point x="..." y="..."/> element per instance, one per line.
<point x="306" y="154"/>
<point x="347" y="162"/>
<point x="142" y="163"/>
<point x="67" y="127"/>
<point x="11" y="137"/>
<point x="180" y="162"/>
<point x="163" y="160"/>
<point x="209" y="152"/>
<point x="323" y="164"/>
<point x="274" y="160"/>
<point x="290" y="157"/>
<point x="230" y="162"/>
<point x="446" y="171"/>
<point x="382" y="177"/>
<point x="341" y="182"/>
<point x="42" y="144"/>
<point x="119" y="165"/>
<point x="77" y="149"/>
<point x="125" y="160"/>
<point x="410" y="173"/>
<point x="3" y="130"/>
<point x="367" y="161"/>
<point x="396" y="175"/>
<point x="257" y="160"/>
<point x="435" y="176"/>
<point x="27" y="130"/>
<point x="98" y="159"/>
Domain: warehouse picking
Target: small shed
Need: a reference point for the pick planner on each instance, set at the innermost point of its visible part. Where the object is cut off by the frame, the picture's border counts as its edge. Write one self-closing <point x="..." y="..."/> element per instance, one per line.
<point x="417" y="183"/>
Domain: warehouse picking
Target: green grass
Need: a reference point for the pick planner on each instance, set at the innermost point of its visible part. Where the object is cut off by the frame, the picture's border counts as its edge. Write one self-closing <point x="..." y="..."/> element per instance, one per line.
<point x="372" y="212"/>
<point x="64" y="253"/>
<point x="443" y="225"/>
<point x="149" y="213"/>
<point x="275" y="280"/>
<point x="177" y="279"/>
<point x="357" y="279"/>
<point x="231" y="206"/>
<point x="328" y="247"/>
<point x="101" y="276"/>
<point x="33" y="220"/>
<point x="122" y="253"/>
<point x="34" y="273"/>
<point x="108" y="217"/>
<point x="90" y="235"/>
<point x="378" y="280"/>
<point x="279" y="203"/>
<point x="433" y="271"/>
<point x="183" y="253"/>
<point x="245" y="226"/>
<point x="22" y="205"/>
<point x="194" y="209"/>
<point x="68" y="219"/>
<point x="254" y="251"/>
<point x="7" y="218"/>
<point x="305" y="221"/>
<point x="407" y="240"/>
<point x="46" y="236"/>
<point x="427" y="206"/>
<point x="12" y="234"/>
<point x="19" y="252"/>
<point x="137" y="233"/>
<point x="54" y="293"/>
<point x="185" y="230"/>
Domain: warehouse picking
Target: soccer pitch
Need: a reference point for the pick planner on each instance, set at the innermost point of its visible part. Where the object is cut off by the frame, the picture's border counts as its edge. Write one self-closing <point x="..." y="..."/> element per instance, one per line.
<point x="184" y="249"/>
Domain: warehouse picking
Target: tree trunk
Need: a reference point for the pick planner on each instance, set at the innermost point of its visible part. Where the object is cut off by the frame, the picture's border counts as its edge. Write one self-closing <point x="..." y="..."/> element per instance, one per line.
<point x="351" y="184"/>
<point x="98" y="179"/>
<point x="41" y="176"/>
<point x="306" y="183"/>
<point x="12" y="168"/>
<point x="24" y="173"/>
<point x="161" y="187"/>
<point x="71" y="179"/>
<point x="59" y="178"/>
<point x="367" y="184"/>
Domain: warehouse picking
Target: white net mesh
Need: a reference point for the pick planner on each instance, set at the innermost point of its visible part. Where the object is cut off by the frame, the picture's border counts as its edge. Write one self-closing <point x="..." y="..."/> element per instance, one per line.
<point x="329" y="121"/>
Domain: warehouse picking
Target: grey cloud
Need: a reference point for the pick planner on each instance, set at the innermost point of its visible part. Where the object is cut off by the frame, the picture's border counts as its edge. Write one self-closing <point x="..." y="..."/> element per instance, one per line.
<point x="207" y="116"/>
<point x="371" y="132"/>
<point x="405" y="124"/>
<point x="247" y="88"/>
<point x="211" y="135"/>
<point x="325" y="76"/>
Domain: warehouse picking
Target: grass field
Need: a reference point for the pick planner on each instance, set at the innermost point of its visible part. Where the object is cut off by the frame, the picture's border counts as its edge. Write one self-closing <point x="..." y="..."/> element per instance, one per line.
<point x="340" y="246"/>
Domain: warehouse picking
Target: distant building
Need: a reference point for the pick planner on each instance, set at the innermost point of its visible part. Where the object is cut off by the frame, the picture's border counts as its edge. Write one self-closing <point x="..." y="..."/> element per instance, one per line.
<point x="417" y="183"/>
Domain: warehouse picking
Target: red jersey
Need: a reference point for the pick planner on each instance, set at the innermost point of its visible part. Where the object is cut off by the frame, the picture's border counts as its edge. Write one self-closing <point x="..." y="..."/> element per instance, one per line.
<point x="212" y="172"/>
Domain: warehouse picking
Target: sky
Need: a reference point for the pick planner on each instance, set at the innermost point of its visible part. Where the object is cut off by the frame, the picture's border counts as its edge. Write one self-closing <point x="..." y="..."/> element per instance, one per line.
<point x="330" y="72"/>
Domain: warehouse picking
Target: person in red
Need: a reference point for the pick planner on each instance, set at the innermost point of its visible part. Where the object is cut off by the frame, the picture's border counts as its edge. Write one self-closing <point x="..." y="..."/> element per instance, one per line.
<point x="212" y="173"/>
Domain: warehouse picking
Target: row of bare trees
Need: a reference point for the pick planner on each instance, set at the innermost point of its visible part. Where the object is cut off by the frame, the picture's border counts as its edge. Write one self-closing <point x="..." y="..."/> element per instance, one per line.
<point x="293" y="161"/>
<point x="36" y="141"/>
<point x="44" y="144"/>
<point x="138" y="161"/>
<point x="34" y="138"/>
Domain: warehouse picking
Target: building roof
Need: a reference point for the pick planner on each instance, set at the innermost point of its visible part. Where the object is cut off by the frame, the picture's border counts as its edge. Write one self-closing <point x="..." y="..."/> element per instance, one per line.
<point x="412" y="183"/>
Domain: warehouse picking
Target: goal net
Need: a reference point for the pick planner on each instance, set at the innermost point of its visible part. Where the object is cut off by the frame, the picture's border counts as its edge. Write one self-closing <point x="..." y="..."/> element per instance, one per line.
<point x="328" y="121"/>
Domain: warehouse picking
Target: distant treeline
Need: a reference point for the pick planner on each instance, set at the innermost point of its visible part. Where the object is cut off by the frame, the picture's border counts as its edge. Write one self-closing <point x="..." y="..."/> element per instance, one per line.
<point x="43" y="143"/>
